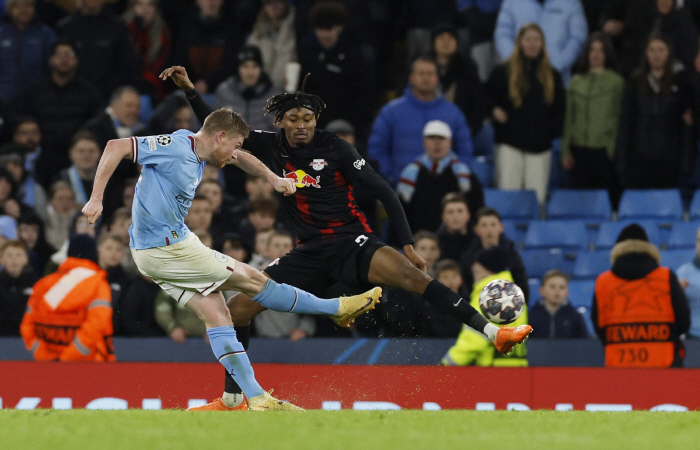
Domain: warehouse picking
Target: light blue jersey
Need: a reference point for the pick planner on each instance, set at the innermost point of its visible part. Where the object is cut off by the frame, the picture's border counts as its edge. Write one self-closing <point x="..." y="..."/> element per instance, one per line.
<point x="171" y="173"/>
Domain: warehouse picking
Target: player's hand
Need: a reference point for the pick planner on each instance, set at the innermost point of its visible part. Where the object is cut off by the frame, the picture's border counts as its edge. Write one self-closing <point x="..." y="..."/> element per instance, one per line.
<point x="179" y="76"/>
<point x="415" y="258"/>
<point x="92" y="210"/>
<point x="285" y="186"/>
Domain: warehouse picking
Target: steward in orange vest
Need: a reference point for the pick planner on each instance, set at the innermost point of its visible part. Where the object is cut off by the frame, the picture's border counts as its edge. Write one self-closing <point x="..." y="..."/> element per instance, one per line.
<point x="639" y="309"/>
<point x="69" y="314"/>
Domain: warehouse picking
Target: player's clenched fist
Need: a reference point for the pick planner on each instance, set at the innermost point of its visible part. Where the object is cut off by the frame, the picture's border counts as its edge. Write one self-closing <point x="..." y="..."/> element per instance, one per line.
<point x="92" y="210"/>
<point x="285" y="186"/>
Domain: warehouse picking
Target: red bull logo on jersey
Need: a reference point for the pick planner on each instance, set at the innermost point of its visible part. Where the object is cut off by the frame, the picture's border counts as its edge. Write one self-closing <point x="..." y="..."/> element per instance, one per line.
<point x="302" y="179"/>
<point x="318" y="164"/>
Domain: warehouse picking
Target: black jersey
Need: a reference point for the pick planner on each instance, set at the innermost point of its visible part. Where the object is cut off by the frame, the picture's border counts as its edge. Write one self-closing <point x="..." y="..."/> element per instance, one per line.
<point x="323" y="171"/>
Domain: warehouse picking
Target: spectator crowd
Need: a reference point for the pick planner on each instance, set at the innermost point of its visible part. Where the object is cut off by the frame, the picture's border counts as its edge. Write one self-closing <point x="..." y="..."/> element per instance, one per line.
<point x="444" y="99"/>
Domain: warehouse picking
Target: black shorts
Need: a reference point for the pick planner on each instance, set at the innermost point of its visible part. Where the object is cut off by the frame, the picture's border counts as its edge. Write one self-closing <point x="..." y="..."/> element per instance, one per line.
<point x="318" y="266"/>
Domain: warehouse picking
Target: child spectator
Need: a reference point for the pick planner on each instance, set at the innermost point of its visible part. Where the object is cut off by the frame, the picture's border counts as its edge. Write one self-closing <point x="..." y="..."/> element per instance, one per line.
<point x="110" y="252"/>
<point x="472" y="348"/>
<point x="489" y="231"/>
<point x="689" y="279"/>
<point x="84" y="155"/>
<point x="16" y="280"/>
<point x="260" y="259"/>
<point x="29" y="191"/>
<point x="454" y="235"/>
<point x="119" y="227"/>
<point x="30" y="232"/>
<point x="275" y="324"/>
<point x="435" y="323"/>
<point x="262" y="216"/>
<point x="74" y="322"/>
<point x="200" y="216"/>
<point x="427" y="246"/>
<point x="553" y="316"/>
<point x="436" y="173"/>
<point x="236" y="248"/>
<point x="221" y="206"/>
<point x="60" y="213"/>
<point x="9" y="205"/>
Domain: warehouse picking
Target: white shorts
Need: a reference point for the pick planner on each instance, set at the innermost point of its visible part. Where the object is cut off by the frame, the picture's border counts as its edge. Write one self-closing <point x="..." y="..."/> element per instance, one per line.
<point x="185" y="268"/>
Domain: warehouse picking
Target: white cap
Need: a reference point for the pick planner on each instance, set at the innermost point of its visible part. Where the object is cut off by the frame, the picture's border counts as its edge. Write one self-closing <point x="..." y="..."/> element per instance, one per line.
<point x="437" y="128"/>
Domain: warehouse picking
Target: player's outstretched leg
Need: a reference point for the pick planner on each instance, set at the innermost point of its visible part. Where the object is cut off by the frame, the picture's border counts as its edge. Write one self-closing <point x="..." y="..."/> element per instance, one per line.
<point x="390" y="267"/>
<point x="230" y="353"/>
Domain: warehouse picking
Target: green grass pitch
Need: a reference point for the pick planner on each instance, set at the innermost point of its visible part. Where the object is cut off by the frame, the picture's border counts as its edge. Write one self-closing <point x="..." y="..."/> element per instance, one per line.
<point x="366" y="430"/>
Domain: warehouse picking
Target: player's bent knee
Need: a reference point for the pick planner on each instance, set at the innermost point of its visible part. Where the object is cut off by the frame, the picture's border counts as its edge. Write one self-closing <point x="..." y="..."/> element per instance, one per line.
<point x="243" y="309"/>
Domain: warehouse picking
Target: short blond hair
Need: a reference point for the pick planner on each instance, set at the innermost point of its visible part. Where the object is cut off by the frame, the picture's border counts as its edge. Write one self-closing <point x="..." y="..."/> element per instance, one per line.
<point x="225" y="119"/>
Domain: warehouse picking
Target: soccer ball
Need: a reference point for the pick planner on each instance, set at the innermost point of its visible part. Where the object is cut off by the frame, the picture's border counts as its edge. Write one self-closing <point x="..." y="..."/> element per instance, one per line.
<point x="502" y="301"/>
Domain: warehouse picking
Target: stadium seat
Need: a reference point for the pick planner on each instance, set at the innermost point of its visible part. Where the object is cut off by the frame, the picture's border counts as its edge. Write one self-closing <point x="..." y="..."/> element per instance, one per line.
<point x="146" y="109"/>
<point x="608" y="232"/>
<point x="579" y="204"/>
<point x="589" y="265"/>
<point x="581" y="293"/>
<point x="534" y="285"/>
<point x="515" y="231"/>
<point x="483" y="169"/>
<point x="517" y="205"/>
<point x="673" y="259"/>
<point x="563" y="234"/>
<point x="539" y="261"/>
<point x="695" y="206"/>
<point x="683" y="235"/>
<point x="663" y="204"/>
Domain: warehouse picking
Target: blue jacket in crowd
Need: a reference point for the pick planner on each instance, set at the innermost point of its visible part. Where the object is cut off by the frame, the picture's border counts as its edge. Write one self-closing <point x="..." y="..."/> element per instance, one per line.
<point x="566" y="323"/>
<point x="562" y="21"/>
<point x="24" y="57"/>
<point x="397" y="133"/>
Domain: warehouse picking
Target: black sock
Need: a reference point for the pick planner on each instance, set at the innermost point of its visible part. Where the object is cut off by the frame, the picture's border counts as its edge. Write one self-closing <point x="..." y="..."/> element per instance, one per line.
<point x="451" y="303"/>
<point x="243" y="336"/>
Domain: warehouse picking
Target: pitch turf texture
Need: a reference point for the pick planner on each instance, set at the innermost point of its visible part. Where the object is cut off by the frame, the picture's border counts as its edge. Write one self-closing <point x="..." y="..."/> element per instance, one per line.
<point x="366" y="430"/>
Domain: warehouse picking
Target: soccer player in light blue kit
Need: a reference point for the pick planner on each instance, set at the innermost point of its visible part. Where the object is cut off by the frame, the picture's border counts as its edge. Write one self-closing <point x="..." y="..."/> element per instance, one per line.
<point x="165" y="250"/>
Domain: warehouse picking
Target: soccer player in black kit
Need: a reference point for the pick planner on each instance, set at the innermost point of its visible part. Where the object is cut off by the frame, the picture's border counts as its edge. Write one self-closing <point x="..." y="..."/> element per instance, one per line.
<point x="335" y="242"/>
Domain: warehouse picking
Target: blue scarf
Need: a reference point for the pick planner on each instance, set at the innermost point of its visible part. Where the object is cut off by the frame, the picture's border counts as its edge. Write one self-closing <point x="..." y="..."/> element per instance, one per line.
<point x="77" y="185"/>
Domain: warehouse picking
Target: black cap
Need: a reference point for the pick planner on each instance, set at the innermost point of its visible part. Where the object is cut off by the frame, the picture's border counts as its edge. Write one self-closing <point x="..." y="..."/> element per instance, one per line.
<point x="444" y="27"/>
<point x="249" y="53"/>
<point x="493" y="259"/>
<point x="83" y="246"/>
<point x="632" y="231"/>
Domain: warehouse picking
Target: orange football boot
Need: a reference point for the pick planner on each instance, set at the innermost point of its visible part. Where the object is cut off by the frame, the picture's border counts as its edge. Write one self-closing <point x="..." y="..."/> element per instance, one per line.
<point x="219" y="405"/>
<point x="508" y="337"/>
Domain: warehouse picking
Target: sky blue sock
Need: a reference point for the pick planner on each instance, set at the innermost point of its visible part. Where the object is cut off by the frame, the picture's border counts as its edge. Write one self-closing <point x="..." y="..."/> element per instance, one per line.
<point x="230" y="353"/>
<point x="285" y="298"/>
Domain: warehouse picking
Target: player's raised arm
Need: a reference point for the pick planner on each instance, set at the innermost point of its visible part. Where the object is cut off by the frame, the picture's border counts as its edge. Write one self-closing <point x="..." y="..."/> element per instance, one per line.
<point x="115" y="151"/>
<point x="254" y="166"/>
<point x="179" y="76"/>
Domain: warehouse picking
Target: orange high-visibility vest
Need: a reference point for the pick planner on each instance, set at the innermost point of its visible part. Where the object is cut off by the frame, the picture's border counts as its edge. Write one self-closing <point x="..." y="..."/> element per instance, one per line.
<point x="637" y="318"/>
<point x="69" y="315"/>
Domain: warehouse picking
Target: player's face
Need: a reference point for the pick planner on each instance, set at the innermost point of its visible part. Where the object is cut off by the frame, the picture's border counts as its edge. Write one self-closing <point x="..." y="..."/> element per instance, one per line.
<point x="437" y="147"/>
<point x="531" y="44"/>
<point x="428" y="250"/>
<point x="489" y="229"/>
<point x="28" y="134"/>
<point x="279" y="246"/>
<point x="555" y="290"/>
<point x="223" y="153"/>
<point x="249" y="73"/>
<point x="28" y="234"/>
<point x="85" y="155"/>
<point x="424" y="77"/>
<point x="299" y="125"/>
<point x="657" y="54"/>
<point x="596" y="55"/>
<point x="455" y="217"/>
<point x="110" y="253"/>
<point x="14" y="260"/>
<point x="445" y="44"/>
<point x="452" y="279"/>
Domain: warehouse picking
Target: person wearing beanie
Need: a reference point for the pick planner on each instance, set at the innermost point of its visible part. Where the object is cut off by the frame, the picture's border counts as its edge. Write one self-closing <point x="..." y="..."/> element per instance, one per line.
<point x="69" y="313"/>
<point x="472" y="348"/>
<point x="639" y="308"/>
<point x="247" y="90"/>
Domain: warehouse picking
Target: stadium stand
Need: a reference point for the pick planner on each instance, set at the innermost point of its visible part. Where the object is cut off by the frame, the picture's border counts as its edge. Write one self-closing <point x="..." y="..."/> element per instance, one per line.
<point x="662" y="204"/>
<point x="683" y="235"/>
<point x="581" y="297"/>
<point x="607" y="235"/>
<point x="538" y="261"/>
<point x="673" y="259"/>
<point x="593" y="205"/>
<point x="517" y="205"/>
<point x="591" y="264"/>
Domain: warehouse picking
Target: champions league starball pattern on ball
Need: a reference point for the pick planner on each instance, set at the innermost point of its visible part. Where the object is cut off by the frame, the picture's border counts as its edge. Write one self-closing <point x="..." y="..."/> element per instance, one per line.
<point x="502" y="301"/>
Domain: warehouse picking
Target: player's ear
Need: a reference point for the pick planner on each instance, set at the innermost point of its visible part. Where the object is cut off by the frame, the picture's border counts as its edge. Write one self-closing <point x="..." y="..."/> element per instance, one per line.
<point x="220" y="136"/>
